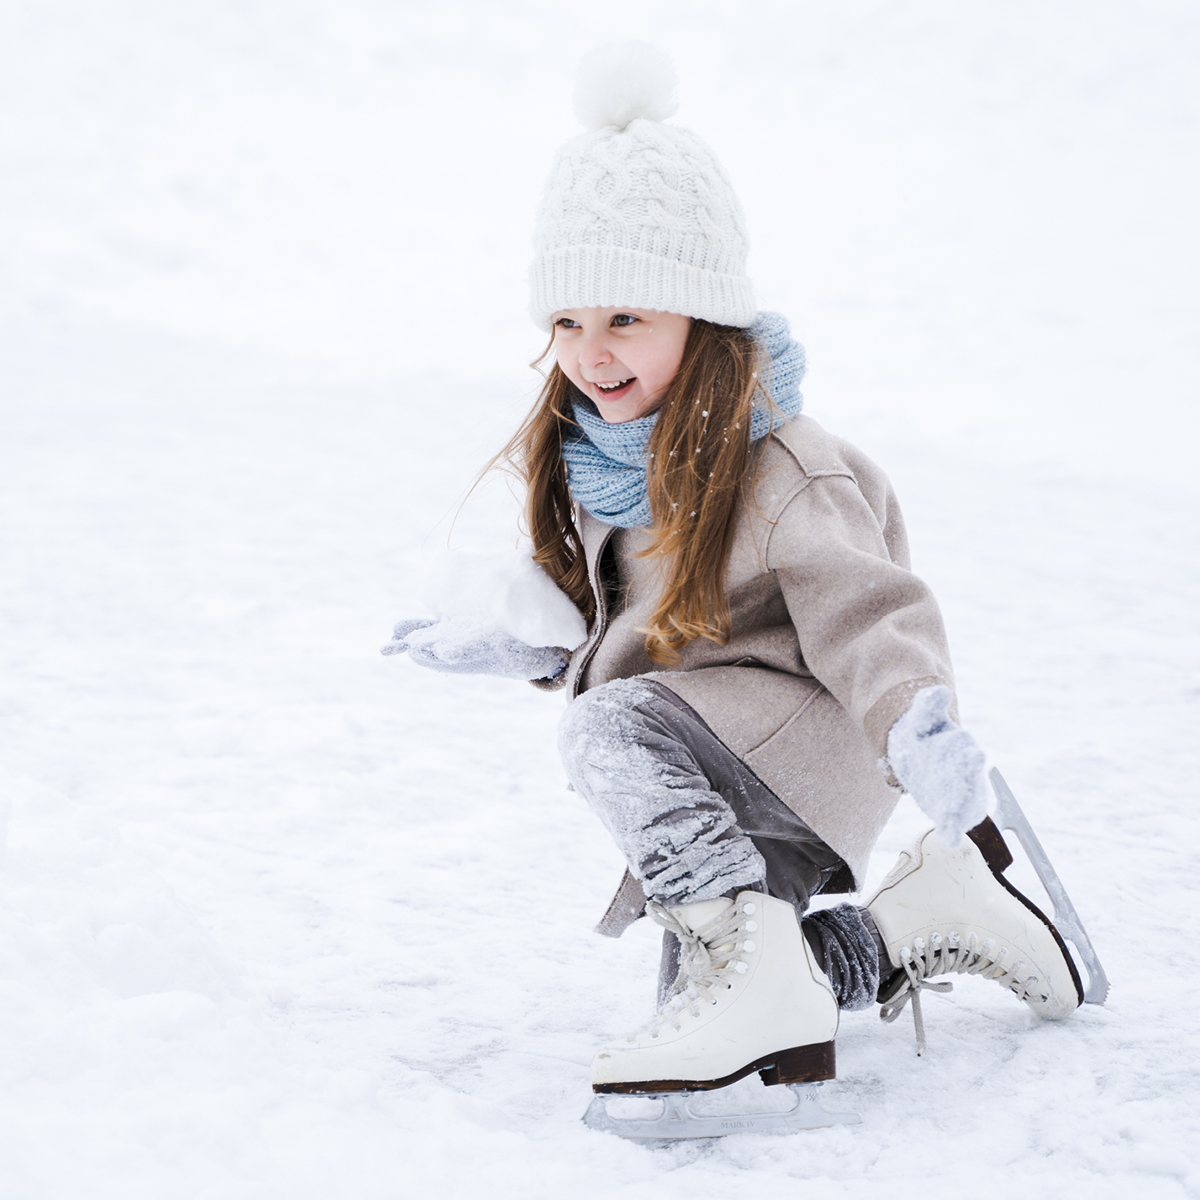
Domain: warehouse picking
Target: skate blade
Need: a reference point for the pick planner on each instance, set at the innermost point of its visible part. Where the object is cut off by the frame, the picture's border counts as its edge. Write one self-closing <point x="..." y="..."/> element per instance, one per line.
<point x="677" y="1121"/>
<point x="1009" y="815"/>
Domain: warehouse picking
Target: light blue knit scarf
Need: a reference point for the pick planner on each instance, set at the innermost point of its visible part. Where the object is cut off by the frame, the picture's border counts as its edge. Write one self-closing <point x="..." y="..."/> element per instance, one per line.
<point x="606" y="464"/>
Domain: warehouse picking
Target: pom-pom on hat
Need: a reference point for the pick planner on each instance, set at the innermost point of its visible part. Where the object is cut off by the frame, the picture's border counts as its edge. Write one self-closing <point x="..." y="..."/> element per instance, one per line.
<point x="636" y="211"/>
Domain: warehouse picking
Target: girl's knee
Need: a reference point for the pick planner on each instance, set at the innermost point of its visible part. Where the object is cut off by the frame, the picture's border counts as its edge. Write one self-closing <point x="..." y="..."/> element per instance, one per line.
<point x="611" y="704"/>
<point x="603" y="725"/>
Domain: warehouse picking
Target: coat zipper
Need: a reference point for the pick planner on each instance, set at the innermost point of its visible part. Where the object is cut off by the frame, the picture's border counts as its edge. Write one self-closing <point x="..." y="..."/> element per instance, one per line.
<point x="601" y="614"/>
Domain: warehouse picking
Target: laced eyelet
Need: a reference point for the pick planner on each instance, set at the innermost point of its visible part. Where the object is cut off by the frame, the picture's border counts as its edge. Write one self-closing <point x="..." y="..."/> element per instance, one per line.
<point x="950" y="955"/>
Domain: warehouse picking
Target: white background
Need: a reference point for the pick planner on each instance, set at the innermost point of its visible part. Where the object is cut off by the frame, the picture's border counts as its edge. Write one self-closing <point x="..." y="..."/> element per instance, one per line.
<point x="280" y="917"/>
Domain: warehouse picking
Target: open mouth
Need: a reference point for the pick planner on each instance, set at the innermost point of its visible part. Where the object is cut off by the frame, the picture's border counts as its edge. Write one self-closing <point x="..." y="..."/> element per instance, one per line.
<point x="612" y="390"/>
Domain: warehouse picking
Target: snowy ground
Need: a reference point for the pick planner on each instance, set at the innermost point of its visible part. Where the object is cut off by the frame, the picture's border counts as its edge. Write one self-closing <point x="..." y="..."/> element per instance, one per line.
<point x="283" y="918"/>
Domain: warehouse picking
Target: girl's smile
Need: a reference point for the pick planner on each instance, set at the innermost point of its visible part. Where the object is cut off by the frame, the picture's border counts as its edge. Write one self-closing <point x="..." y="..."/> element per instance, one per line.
<point x="622" y="359"/>
<point x="611" y="390"/>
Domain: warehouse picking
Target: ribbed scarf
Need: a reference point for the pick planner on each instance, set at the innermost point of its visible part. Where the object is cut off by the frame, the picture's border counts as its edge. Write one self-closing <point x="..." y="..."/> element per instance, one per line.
<point x="606" y="464"/>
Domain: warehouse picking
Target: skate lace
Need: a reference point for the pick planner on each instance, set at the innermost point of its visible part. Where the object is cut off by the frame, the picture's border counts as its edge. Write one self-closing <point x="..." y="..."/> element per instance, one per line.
<point x="703" y="969"/>
<point x="947" y="956"/>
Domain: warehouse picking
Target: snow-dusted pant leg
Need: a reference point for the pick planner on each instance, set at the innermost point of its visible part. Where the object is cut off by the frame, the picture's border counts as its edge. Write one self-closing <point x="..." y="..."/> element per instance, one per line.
<point x="679" y="836"/>
<point x="682" y="808"/>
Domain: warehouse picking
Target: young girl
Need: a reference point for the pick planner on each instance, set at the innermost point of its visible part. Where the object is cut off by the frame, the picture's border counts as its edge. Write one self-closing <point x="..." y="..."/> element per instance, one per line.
<point x="762" y="672"/>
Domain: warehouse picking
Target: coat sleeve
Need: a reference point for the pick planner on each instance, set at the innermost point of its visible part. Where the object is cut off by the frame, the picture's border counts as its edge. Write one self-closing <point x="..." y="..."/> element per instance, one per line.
<point x="870" y="630"/>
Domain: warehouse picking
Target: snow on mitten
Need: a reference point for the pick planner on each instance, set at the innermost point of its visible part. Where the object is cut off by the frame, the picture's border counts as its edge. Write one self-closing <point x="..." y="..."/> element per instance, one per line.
<point x="398" y="645"/>
<point x="461" y="646"/>
<point x="939" y="764"/>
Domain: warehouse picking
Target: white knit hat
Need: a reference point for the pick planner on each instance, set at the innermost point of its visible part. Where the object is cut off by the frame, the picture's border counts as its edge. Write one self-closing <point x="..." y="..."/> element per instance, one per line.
<point x="635" y="211"/>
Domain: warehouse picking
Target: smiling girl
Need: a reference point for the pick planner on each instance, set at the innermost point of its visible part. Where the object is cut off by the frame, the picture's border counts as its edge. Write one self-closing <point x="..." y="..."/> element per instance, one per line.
<point x="763" y="672"/>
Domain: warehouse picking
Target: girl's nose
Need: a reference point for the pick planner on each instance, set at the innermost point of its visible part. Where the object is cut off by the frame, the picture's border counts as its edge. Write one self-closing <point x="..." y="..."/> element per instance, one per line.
<point x="594" y="352"/>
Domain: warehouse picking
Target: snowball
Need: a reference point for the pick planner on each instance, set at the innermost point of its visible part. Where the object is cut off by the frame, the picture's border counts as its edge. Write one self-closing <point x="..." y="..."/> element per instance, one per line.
<point x="617" y="84"/>
<point x="507" y="589"/>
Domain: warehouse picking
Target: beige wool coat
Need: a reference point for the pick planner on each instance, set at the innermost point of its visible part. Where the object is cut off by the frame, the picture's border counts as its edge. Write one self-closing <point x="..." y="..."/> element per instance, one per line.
<point x="831" y="634"/>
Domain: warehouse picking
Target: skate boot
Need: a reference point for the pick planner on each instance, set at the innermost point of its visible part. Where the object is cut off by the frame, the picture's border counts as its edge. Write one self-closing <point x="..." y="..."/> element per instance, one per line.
<point x="943" y="911"/>
<point x="749" y="997"/>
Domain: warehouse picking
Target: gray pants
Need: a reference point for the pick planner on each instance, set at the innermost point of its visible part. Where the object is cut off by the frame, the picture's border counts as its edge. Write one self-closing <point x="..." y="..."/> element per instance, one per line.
<point x="694" y="822"/>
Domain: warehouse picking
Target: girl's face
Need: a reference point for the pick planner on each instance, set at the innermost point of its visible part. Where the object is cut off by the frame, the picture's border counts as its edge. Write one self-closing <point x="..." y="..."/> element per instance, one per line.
<point x="622" y="359"/>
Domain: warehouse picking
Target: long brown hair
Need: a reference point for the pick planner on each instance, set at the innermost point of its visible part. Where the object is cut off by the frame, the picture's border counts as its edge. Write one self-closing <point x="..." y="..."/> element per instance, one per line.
<point x="700" y="456"/>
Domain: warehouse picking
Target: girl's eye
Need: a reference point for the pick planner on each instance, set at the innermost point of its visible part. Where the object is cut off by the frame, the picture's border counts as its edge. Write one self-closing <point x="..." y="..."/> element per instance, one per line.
<point x="566" y="323"/>
<point x="623" y="319"/>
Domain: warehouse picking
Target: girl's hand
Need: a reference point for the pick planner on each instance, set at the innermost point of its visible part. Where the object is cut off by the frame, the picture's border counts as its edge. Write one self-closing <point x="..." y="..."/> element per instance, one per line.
<point x="403" y="628"/>
<point x="470" y="647"/>
<point x="939" y="764"/>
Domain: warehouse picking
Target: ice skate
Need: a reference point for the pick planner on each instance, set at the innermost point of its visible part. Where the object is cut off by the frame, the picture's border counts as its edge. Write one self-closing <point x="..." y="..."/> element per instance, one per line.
<point x="749" y="997"/>
<point x="943" y="911"/>
<point x="1008" y="814"/>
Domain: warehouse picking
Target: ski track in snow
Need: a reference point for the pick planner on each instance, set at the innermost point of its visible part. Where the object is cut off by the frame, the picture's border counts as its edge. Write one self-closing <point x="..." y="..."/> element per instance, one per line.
<point x="281" y="917"/>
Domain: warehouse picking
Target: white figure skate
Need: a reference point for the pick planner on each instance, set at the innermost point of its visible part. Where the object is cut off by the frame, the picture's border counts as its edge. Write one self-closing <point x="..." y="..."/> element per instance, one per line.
<point x="942" y="911"/>
<point x="1008" y="815"/>
<point x="749" y="997"/>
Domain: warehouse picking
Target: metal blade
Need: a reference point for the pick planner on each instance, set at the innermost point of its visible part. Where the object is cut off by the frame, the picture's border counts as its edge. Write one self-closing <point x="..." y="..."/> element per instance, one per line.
<point x="1008" y="815"/>
<point x="677" y="1121"/>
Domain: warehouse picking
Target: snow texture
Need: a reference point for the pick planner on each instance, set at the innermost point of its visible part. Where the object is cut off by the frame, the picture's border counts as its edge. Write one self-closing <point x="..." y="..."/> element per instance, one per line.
<point x="400" y="632"/>
<point x="939" y="764"/>
<point x="464" y="646"/>
<point x="281" y="921"/>
<point x="619" y="83"/>
<point x="679" y="838"/>
<point x="507" y="590"/>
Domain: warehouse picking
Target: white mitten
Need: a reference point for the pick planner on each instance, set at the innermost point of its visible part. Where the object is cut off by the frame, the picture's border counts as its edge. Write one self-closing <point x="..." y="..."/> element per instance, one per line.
<point x="468" y="647"/>
<point x="496" y="614"/>
<point x="939" y="764"/>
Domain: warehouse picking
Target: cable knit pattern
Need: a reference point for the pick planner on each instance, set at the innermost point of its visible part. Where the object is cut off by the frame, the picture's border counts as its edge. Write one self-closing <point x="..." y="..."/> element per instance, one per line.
<point x="606" y="464"/>
<point x="642" y="215"/>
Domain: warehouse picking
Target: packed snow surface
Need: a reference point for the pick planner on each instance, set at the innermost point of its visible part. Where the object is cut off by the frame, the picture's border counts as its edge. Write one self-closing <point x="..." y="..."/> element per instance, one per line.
<point x="281" y="917"/>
